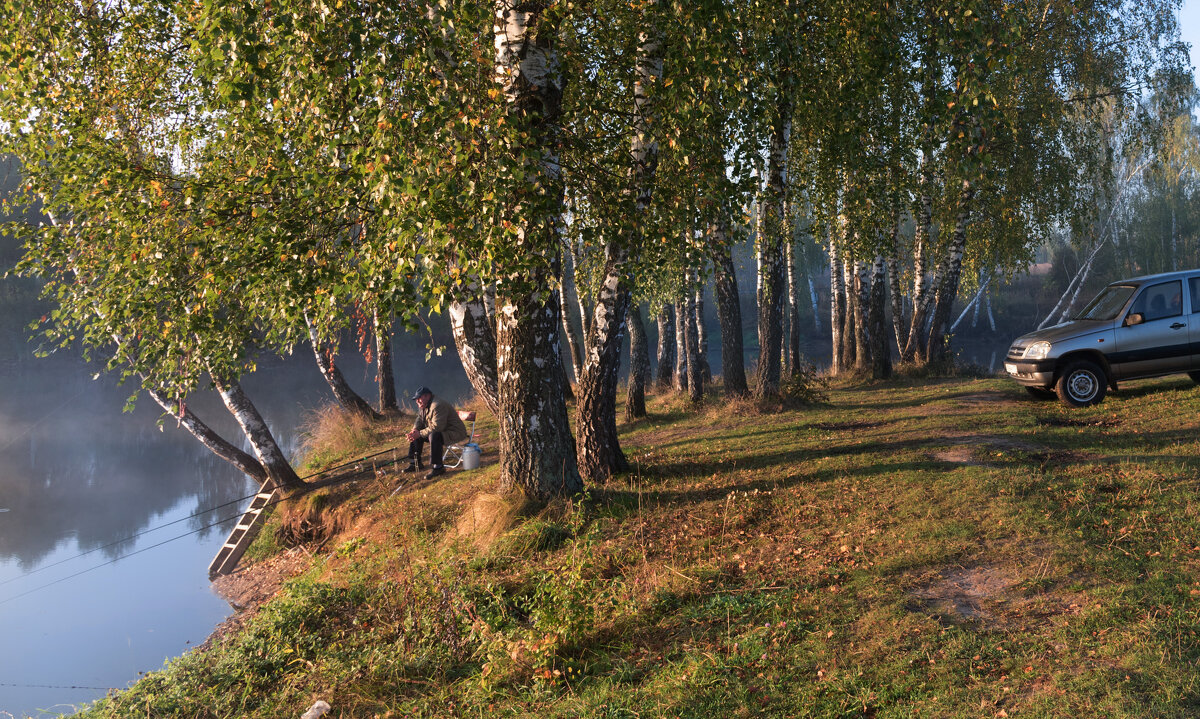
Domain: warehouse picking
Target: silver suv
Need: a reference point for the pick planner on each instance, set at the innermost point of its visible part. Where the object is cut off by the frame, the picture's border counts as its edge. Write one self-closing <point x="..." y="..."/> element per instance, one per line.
<point x="1143" y="327"/>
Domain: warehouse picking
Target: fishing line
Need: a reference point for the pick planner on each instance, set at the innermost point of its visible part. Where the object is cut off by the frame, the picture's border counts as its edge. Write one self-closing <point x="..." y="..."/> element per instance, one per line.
<point x="182" y="519"/>
<point x="348" y="478"/>
<point x="53" y="686"/>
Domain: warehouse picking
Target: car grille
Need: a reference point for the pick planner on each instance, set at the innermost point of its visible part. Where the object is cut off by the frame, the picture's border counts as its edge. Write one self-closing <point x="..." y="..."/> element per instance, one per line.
<point x="1017" y="351"/>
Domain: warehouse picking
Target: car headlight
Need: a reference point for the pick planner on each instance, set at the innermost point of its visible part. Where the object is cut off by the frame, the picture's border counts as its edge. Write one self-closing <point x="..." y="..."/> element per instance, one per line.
<point x="1037" y="351"/>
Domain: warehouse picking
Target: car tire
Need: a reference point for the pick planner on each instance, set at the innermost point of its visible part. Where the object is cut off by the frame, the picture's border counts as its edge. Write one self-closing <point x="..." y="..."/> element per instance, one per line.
<point x="1081" y="384"/>
<point x="1195" y="376"/>
<point x="1041" y="393"/>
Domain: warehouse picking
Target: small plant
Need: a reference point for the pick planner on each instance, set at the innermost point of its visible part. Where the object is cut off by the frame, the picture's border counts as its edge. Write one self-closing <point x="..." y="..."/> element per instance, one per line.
<point x="804" y="387"/>
<point x="350" y="547"/>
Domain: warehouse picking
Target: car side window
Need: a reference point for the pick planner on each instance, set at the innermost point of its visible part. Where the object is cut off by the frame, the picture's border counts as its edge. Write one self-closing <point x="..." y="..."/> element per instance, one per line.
<point x="1194" y="288"/>
<point x="1158" y="301"/>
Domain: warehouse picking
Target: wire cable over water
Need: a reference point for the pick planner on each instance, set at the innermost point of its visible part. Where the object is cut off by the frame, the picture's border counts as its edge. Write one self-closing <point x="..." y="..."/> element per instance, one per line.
<point x="348" y="478"/>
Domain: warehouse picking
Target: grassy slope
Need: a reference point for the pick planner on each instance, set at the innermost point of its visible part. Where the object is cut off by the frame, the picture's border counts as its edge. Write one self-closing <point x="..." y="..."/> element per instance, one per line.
<point x="941" y="548"/>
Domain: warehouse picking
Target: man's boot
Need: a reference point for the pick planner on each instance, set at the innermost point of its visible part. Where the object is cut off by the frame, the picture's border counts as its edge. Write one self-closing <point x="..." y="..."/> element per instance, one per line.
<point x="414" y="465"/>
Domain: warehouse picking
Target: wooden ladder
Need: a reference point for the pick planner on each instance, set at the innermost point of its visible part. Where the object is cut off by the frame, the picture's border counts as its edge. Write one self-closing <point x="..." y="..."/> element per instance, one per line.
<point x="244" y="533"/>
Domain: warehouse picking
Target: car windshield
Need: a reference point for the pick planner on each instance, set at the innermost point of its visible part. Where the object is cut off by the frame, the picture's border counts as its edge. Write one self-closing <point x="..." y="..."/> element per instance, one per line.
<point x="1108" y="303"/>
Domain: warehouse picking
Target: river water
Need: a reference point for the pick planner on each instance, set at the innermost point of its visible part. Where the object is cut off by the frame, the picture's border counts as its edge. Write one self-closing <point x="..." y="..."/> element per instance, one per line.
<point x="104" y="541"/>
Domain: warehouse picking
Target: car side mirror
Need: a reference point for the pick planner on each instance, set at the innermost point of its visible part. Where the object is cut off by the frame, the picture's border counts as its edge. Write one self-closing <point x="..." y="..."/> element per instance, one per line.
<point x="1134" y="318"/>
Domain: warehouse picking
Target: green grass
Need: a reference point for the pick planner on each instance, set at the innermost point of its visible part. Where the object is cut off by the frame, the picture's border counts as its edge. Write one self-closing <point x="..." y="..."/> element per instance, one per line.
<point x="921" y="548"/>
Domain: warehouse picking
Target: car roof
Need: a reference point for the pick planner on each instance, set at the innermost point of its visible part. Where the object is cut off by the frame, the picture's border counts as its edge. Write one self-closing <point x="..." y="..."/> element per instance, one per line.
<point x="1181" y="274"/>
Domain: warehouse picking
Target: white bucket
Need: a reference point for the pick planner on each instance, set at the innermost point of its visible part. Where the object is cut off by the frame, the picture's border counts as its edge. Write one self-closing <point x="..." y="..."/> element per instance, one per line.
<point x="470" y="456"/>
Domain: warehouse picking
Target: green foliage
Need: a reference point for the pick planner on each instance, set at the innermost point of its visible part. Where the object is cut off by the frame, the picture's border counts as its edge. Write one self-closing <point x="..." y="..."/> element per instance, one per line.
<point x="805" y="385"/>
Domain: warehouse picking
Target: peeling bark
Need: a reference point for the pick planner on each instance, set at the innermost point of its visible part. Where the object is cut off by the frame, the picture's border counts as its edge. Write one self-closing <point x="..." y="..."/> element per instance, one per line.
<point x="599" y="444"/>
<point x="537" y="450"/>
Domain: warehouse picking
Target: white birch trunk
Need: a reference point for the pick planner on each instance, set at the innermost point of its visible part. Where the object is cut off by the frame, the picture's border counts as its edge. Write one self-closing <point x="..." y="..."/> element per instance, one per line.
<point x="537" y="450"/>
<point x="270" y="456"/>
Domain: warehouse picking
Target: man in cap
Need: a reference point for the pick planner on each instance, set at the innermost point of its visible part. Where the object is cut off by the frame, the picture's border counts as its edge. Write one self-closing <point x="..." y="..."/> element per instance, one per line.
<point x="438" y="424"/>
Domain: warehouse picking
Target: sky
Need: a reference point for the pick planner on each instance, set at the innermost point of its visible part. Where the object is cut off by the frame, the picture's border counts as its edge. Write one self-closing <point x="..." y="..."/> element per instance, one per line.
<point x="1189" y="28"/>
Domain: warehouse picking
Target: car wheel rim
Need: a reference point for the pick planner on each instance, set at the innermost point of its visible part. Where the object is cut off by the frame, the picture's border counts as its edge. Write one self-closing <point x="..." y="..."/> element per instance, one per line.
<point x="1082" y="386"/>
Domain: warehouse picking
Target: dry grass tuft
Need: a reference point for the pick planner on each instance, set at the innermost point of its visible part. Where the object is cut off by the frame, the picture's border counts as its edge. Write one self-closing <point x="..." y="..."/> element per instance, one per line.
<point x="485" y="519"/>
<point x="331" y="433"/>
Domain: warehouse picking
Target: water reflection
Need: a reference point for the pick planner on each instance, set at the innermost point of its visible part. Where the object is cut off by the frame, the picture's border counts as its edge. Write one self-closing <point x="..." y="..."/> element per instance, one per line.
<point x="78" y="476"/>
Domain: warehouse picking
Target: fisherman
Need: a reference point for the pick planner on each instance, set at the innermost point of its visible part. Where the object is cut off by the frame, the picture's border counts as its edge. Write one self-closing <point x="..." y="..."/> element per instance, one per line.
<point x="438" y="424"/>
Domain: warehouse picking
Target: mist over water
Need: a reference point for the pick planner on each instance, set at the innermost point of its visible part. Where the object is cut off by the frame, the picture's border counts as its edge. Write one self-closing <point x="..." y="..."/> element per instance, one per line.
<point x="79" y="476"/>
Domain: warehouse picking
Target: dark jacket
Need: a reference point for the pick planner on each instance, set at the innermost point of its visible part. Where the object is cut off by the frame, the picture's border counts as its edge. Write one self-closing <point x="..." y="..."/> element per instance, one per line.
<point x="440" y="416"/>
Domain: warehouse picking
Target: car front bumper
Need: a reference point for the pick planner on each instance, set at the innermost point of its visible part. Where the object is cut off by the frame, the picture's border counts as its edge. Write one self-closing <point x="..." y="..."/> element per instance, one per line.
<point x="1028" y="373"/>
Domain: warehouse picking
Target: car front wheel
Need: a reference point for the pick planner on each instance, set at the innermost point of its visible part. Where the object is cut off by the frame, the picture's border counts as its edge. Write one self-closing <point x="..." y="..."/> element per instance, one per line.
<point x="1081" y="384"/>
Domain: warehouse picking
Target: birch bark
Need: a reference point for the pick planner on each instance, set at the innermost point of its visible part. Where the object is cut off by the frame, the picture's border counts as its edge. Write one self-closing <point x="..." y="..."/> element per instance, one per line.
<point x="682" y="320"/>
<point x="695" y="383"/>
<point x="574" y="344"/>
<point x="837" y="308"/>
<point x="342" y="391"/>
<point x="851" y="312"/>
<point x="771" y="240"/>
<point x="701" y="331"/>
<point x="881" y="351"/>
<point x="475" y="339"/>
<point x="729" y="313"/>
<point x="914" y="346"/>
<point x="599" y="444"/>
<point x="936" y="345"/>
<point x="862" y="299"/>
<point x="266" y="449"/>
<point x="217" y="444"/>
<point x="537" y="450"/>
<point x="666" y="347"/>
<point x="639" y="365"/>
<point x="385" y="377"/>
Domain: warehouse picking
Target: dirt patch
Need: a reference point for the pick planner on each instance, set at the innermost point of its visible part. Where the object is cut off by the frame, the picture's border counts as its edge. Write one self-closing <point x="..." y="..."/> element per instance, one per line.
<point x="992" y="597"/>
<point x="966" y="448"/>
<point x="1102" y="422"/>
<point x="251" y="585"/>
<point x="980" y="399"/>
<point x="966" y="593"/>
<point x="847" y="426"/>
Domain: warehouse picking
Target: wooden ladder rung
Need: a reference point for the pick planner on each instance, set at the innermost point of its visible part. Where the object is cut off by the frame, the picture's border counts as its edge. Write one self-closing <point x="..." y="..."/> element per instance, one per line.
<point x="242" y="534"/>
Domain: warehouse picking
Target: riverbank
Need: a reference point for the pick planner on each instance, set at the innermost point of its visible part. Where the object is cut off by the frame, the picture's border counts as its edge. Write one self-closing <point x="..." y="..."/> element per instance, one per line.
<point x="943" y="548"/>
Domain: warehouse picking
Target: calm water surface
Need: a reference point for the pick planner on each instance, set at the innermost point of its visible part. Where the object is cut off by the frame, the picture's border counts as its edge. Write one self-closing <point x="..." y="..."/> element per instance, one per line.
<point x="79" y="477"/>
